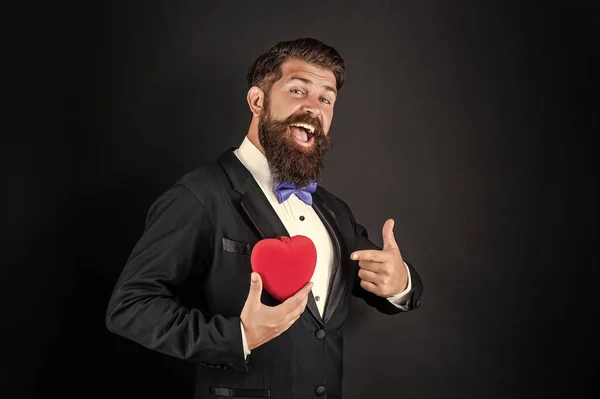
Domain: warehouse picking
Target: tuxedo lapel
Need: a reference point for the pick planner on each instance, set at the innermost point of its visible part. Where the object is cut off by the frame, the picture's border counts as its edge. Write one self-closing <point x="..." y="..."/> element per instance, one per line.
<point x="253" y="201"/>
<point x="258" y="210"/>
<point x="261" y="213"/>
<point x="337" y="284"/>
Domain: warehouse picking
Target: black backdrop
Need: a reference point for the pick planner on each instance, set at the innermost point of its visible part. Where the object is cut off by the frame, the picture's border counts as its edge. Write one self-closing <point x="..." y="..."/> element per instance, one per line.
<point x="468" y="123"/>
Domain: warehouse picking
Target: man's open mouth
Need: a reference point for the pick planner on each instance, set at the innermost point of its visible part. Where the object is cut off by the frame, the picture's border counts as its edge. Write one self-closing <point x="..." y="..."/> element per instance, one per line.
<point x="302" y="132"/>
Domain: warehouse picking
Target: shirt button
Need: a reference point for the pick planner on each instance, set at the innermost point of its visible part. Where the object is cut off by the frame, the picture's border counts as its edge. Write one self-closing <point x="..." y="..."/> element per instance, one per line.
<point x="320" y="390"/>
<point x="302" y="218"/>
<point x="317" y="298"/>
<point x="320" y="334"/>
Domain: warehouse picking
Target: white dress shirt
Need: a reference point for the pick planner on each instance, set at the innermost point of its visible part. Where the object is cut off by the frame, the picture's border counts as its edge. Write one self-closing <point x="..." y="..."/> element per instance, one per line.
<point x="299" y="219"/>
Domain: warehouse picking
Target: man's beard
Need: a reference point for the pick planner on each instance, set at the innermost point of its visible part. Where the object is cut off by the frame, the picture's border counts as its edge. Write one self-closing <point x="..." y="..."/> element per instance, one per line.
<point x="289" y="161"/>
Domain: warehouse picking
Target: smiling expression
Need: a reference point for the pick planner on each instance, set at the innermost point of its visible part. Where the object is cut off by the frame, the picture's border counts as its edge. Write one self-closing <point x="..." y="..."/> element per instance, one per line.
<point x="308" y="90"/>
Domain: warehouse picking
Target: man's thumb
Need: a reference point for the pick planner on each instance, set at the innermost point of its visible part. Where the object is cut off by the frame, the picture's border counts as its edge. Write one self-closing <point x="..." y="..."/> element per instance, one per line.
<point x="255" y="284"/>
<point x="389" y="241"/>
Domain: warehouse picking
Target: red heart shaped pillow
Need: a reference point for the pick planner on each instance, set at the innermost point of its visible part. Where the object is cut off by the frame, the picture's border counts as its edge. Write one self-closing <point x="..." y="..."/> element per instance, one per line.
<point x="285" y="264"/>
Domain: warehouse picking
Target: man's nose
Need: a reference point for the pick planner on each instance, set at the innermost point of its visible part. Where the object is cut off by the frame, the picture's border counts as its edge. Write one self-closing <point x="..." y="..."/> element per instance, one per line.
<point x="311" y="106"/>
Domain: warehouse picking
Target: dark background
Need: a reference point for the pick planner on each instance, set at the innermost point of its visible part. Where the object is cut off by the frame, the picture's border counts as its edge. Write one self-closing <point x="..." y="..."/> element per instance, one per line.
<point x="470" y="124"/>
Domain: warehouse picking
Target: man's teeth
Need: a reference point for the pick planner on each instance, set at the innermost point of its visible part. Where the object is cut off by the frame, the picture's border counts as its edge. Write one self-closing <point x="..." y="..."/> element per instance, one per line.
<point x="310" y="129"/>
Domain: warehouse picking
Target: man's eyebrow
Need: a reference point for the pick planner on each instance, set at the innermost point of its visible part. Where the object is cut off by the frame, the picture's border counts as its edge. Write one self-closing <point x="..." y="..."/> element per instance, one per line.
<point x="309" y="82"/>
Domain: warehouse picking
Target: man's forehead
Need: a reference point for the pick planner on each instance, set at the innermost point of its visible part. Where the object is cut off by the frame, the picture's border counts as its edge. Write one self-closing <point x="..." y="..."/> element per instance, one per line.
<point x="294" y="68"/>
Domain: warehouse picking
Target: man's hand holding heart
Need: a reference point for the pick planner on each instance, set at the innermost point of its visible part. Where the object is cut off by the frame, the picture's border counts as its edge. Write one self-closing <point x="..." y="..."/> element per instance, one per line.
<point x="382" y="272"/>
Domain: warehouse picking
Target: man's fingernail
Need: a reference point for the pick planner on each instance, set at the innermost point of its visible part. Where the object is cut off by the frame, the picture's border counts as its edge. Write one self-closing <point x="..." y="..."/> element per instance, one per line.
<point x="354" y="256"/>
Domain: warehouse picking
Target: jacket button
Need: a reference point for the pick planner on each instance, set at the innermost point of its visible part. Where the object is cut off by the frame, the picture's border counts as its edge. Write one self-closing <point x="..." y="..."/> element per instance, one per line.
<point x="320" y="334"/>
<point x="320" y="390"/>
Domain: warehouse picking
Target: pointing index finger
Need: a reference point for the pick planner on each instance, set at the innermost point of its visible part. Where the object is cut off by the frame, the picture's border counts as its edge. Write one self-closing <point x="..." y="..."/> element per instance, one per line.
<point x="372" y="255"/>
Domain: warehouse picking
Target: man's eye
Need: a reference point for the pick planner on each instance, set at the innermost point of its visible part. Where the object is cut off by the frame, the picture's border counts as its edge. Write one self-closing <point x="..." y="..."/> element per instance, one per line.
<point x="325" y="100"/>
<point x="296" y="91"/>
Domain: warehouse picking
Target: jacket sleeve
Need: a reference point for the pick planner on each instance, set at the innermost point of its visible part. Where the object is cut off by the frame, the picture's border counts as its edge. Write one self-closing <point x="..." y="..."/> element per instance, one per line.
<point x="362" y="241"/>
<point x="144" y="305"/>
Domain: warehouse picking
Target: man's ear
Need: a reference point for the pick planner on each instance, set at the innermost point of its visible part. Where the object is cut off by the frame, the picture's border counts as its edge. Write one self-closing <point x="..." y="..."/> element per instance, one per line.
<point x="255" y="98"/>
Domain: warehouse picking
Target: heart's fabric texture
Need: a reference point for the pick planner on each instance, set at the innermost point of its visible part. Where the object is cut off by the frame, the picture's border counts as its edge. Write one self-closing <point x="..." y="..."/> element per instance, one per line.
<point x="285" y="264"/>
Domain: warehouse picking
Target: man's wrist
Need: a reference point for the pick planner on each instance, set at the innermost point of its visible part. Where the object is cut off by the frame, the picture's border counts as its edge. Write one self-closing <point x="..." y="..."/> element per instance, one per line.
<point x="244" y="342"/>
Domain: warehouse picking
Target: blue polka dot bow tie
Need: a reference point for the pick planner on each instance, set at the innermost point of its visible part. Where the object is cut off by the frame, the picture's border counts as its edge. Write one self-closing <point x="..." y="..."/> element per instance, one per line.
<point x="286" y="188"/>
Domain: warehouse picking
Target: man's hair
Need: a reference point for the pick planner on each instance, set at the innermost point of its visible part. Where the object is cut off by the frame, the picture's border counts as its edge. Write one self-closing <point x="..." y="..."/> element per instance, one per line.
<point x="266" y="70"/>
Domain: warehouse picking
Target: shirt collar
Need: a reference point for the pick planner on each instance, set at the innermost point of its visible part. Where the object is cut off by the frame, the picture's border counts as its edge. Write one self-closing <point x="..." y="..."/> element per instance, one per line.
<point x="255" y="161"/>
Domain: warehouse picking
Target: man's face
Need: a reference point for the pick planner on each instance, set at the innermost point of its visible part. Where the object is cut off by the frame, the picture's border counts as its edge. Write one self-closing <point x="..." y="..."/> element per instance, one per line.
<point x="295" y="120"/>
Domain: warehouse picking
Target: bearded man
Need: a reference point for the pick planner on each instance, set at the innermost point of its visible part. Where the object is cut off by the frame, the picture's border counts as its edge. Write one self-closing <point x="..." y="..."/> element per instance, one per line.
<point x="188" y="289"/>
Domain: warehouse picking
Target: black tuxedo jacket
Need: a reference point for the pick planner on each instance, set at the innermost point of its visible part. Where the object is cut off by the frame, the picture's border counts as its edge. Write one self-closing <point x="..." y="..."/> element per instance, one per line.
<point x="185" y="283"/>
